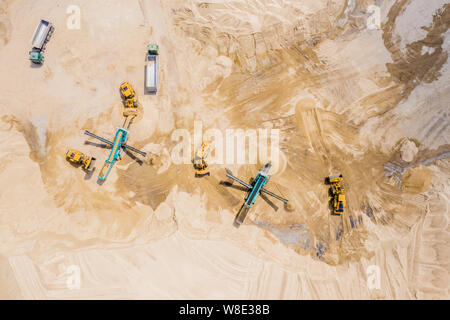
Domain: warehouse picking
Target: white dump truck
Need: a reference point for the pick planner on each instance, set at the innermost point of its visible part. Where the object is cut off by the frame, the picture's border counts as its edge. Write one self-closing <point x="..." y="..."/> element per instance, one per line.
<point x="151" y="69"/>
<point x="40" y="38"/>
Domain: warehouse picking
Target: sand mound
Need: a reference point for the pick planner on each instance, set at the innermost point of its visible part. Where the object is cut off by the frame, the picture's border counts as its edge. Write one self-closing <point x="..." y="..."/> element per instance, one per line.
<point x="408" y="150"/>
<point x="417" y="179"/>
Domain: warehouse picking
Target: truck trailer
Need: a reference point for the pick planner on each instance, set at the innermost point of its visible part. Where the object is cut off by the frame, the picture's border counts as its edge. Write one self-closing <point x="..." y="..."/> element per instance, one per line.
<point x="151" y="69"/>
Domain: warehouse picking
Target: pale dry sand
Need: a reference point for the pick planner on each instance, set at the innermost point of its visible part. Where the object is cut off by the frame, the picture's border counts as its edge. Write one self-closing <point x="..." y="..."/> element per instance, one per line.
<point x="370" y="104"/>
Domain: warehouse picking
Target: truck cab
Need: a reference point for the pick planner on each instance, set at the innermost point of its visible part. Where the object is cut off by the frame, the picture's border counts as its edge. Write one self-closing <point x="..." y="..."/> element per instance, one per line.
<point x="36" y="57"/>
<point x="153" y="49"/>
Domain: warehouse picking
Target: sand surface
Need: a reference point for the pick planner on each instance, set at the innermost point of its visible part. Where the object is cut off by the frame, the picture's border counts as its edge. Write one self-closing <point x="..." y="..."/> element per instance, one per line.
<point x="371" y="104"/>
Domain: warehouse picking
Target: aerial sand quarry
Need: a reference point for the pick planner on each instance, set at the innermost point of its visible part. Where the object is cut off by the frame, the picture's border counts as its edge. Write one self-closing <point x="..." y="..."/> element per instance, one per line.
<point x="350" y="96"/>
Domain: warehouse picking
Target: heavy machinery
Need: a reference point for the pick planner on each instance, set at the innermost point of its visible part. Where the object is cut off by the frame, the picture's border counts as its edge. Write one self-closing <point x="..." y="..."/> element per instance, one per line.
<point x="40" y="38"/>
<point x="255" y="188"/>
<point x="151" y="68"/>
<point x="80" y="158"/>
<point x="120" y="142"/>
<point x="128" y="95"/>
<point x="338" y="193"/>
<point x="339" y="204"/>
<point x="200" y="165"/>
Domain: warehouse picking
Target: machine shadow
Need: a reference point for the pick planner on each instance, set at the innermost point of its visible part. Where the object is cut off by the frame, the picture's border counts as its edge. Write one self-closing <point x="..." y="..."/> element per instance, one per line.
<point x="132" y="156"/>
<point x="269" y="202"/>
<point x="35" y="65"/>
<point x="231" y="185"/>
<point x="89" y="174"/>
<point x="99" y="145"/>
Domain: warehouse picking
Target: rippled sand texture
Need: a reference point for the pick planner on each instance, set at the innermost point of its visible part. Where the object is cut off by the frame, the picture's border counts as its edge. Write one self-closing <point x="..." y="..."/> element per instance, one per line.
<point x="371" y="104"/>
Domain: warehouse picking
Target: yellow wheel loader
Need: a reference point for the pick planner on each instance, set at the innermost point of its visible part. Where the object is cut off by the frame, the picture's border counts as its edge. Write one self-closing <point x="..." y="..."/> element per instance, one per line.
<point x="80" y="158"/>
<point x="338" y="193"/>
<point x="128" y="95"/>
<point x="200" y="165"/>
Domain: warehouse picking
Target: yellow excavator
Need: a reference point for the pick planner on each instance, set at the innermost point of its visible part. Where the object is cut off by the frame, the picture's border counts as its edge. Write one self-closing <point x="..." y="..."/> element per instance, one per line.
<point x="80" y="158"/>
<point x="128" y="95"/>
<point x="338" y="193"/>
<point x="200" y="165"/>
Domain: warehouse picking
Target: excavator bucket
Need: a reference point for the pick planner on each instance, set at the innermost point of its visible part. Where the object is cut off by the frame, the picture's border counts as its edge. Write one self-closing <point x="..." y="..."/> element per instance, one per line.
<point x="202" y="173"/>
<point x="89" y="163"/>
<point x="335" y="178"/>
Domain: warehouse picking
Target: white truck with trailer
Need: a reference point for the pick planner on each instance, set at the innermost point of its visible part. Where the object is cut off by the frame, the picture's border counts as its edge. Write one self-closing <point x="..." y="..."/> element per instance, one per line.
<point x="151" y="69"/>
<point x="40" y="38"/>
